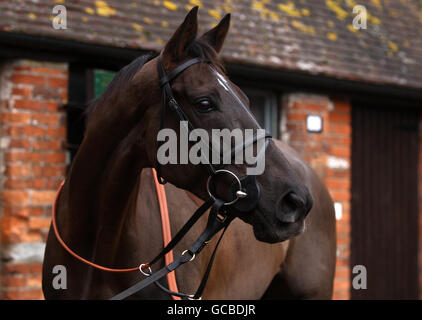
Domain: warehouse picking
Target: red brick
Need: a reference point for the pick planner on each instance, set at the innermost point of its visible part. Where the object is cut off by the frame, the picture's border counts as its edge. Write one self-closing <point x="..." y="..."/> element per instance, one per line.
<point x="21" y="68"/>
<point x="342" y="273"/>
<point x="337" y="184"/>
<point x="15" y="183"/>
<point x="22" y="268"/>
<point x="313" y="107"/>
<point x="23" y="210"/>
<point x="17" y="281"/>
<point x="341" y="129"/>
<point x="34" y="131"/>
<point x="35" y="183"/>
<point x="53" y="184"/>
<point x="57" y="82"/>
<point x="296" y="117"/>
<point x="15" y="196"/>
<point x="338" y="173"/>
<point x="299" y="126"/>
<point x="25" y="130"/>
<point x="342" y="285"/>
<point x="340" y="195"/>
<point x="12" y="235"/>
<point x="46" y="93"/>
<point x="343" y="228"/>
<point x="29" y="104"/>
<point x="15" y="210"/>
<point x="14" y="224"/>
<point x="16" y="170"/>
<point x="8" y="117"/>
<point x="28" y="79"/>
<point x="25" y="92"/>
<point x="342" y="105"/>
<point x="43" y="197"/>
<point x="34" y="281"/>
<point x="342" y="294"/>
<point x="53" y="171"/>
<point x="37" y="210"/>
<point x="55" y="157"/>
<point x="336" y="117"/>
<point x="340" y="151"/>
<point x="15" y="156"/>
<point x="24" y="156"/>
<point x="37" y="170"/>
<point x="49" y="71"/>
<point x="25" y="183"/>
<point x="16" y="294"/>
<point x="59" y="132"/>
<point x="63" y="95"/>
<point x="47" y="145"/>
<point x="52" y="106"/>
<point x="46" y="118"/>
<point x="299" y="137"/>
<point x="39" y="223"/>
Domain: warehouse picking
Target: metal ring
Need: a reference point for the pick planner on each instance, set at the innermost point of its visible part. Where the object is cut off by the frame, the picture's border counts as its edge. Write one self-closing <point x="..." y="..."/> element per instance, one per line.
<point x="193" y="257"/>
<point x="143" y="272"/>
<point x="233" y="175"/>
<point x="191" y="297"/>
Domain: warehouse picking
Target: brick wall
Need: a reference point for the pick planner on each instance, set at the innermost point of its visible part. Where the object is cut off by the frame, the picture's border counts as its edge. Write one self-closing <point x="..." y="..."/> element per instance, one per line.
<point x="33" y="163"/>
<point x="329" y="154"/>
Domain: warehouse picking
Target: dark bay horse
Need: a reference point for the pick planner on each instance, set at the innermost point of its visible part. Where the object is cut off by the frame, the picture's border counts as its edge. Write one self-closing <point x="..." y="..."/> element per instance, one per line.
<point x="107" y="211"/>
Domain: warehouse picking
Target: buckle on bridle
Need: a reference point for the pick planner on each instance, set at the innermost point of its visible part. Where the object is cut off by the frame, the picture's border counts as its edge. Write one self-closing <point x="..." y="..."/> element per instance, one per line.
<point x="143" y="272"/>
<point x="193" y="257"/>
<point x="239" y="193"/>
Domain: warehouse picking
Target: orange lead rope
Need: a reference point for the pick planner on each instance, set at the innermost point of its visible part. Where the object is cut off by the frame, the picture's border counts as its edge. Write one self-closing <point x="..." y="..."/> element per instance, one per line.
<point x="165" y="223"/>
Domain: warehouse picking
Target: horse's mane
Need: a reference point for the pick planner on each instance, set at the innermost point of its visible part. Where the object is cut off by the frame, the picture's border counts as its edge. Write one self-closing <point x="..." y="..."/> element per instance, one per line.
<point x="118" y="82"/>
<point x="198" y="48"/>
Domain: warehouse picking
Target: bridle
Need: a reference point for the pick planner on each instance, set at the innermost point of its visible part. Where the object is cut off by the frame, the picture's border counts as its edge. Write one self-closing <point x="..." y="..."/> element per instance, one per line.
<point x="245" y="196"/>
<point x="246" y="192"/>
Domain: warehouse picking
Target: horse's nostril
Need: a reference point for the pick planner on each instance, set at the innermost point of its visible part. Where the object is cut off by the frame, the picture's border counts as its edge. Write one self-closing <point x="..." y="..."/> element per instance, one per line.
<point x="290" y="208"/>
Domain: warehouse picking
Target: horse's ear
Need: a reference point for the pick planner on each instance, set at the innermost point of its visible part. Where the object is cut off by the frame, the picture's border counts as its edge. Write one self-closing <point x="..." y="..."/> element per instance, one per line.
<point x="182" y="37"/>
<point x="216" y="36"/>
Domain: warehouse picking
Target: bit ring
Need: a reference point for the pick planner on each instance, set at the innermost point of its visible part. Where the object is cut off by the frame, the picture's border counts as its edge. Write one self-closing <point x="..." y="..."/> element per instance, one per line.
<point x="239" y="193"/>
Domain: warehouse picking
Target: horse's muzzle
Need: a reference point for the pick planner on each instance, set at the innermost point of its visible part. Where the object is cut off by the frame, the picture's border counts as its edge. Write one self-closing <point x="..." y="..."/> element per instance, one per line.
<point x="292" y="207"/>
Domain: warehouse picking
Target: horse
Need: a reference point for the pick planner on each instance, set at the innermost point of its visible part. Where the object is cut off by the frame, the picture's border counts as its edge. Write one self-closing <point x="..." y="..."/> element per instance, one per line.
<point x="107" y="211"/>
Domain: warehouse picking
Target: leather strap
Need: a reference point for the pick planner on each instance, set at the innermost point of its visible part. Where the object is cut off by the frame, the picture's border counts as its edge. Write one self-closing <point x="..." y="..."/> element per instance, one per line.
<point x="214" y="225"/>
<point x="164" y="79"/>
<point x="166" y="229"/>
<point x="168" y="99"/>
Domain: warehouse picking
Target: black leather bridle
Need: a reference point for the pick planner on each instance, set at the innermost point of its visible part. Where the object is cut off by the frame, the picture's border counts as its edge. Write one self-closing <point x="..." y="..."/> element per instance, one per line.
<point x="245" y="196"/>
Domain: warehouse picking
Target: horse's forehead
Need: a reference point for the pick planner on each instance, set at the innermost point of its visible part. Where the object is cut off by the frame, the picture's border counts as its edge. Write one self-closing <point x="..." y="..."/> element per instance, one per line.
<point x="221" y="79"/>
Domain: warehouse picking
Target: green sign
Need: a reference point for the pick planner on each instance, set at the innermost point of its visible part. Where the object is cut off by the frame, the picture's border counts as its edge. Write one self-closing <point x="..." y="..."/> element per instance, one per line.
<point x="101" y="80"/>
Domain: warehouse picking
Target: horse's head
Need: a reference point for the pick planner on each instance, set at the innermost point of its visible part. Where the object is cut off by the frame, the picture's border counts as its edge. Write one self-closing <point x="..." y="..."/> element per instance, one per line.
<point x="209" y="100"/>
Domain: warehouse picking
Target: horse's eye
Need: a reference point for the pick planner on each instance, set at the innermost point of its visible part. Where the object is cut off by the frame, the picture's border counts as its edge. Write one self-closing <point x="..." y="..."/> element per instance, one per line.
<point x="204" y="105"/>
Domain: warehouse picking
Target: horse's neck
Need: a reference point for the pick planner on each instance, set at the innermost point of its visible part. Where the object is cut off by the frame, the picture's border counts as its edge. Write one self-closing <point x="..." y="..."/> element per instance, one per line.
<point x="101" y="186"/>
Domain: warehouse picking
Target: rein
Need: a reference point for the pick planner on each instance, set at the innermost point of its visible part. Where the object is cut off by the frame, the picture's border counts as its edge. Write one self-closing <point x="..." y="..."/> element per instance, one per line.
<point x="165" y="224"/>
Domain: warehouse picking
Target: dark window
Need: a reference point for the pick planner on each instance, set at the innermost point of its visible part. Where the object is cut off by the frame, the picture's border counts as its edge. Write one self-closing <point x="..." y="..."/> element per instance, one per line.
<point x="263" y="105"/>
